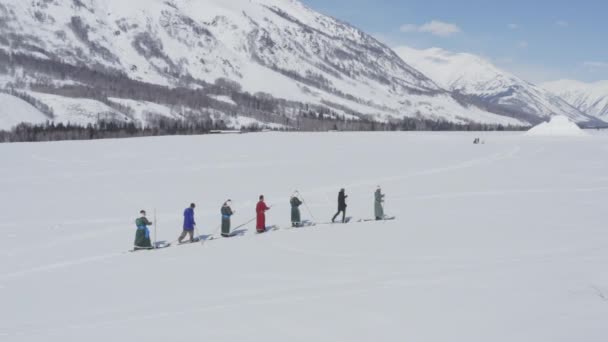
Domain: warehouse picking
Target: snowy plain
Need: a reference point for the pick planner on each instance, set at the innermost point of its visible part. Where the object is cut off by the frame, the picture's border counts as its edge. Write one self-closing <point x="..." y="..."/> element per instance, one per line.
<point x="504" y="241"/>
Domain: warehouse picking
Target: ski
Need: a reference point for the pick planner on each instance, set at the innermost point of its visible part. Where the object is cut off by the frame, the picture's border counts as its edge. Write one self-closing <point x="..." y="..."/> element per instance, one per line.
<point x="346" y="220"/>
<point x="189" y="242"/>
<point x="269" y="229"/>
<point x="388" y="218"/>
<point x="158" y="246"/>
<point x="236" y="233"/>
<point x="302" y="224"/>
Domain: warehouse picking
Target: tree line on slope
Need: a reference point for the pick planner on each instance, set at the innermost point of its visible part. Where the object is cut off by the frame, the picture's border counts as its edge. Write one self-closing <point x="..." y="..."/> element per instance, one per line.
<point x="166" y="126"/>
<point x="106" y="130"/>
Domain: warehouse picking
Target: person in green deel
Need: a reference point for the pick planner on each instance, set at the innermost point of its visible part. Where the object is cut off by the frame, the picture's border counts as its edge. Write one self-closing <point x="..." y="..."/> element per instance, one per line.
<point x="379" y="204"/>
<point x="295" y="202"/>
<point x="227" y="212"/>
<point x="142" y="236"/>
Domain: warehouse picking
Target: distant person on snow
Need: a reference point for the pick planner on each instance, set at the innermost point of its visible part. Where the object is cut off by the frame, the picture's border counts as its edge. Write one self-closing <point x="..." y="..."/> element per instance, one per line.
<point x="226" y="214"/>
<point x="379" y="204"/>
<point x="142" y="236"/>
<point x="295" y="202"/>
<point x="189" y="224"/>
<point x="260" y="210"/>
<point x="341" y="206"/>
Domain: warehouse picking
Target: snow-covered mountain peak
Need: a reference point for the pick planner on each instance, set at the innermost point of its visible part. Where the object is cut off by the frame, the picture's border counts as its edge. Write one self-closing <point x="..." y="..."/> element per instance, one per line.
<point x="475" y="76"/>
<point x="464" y="72"/>
<point x="591" y="98"/>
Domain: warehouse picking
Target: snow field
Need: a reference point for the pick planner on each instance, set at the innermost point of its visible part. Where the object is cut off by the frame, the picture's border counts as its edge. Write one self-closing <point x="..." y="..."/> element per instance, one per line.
<point x="498" y="242"/>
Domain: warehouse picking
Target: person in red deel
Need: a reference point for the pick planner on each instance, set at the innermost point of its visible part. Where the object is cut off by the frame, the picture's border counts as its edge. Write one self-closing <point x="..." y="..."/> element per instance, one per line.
<point x="260" y="210"/>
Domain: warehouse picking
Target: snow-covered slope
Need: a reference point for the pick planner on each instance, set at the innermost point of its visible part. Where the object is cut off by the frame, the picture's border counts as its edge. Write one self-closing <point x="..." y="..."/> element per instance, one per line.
<point x="277" y="47"/>
<point x="474" y="76"/>
<point x="591" y="98"/>
<point x="558" y="126"/>
<point x="14" y="111"/>
<point x="501" y="242"/>
<point x="78" y="111"/>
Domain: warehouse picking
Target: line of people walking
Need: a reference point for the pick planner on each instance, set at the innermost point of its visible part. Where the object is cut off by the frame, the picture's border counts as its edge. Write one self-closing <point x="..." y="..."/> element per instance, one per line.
<point x="143" y="240"/>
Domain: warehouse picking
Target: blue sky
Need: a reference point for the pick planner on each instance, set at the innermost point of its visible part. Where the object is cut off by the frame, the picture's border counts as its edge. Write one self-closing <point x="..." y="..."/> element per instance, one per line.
<point x="537" y="40"/>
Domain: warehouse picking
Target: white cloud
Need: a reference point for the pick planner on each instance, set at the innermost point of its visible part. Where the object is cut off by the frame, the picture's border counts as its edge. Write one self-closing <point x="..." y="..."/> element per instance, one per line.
<point x="435" y="27"/>
<point x="513" y="27"/>
<point x="523" y="44"/>
<point x="562" y="23"/>
<point x="595" y="64"/>
<point x="439" y="28"/>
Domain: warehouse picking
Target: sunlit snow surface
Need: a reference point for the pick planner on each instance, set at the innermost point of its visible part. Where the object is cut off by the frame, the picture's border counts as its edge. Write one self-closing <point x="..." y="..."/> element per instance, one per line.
<point x="502" y="241"/>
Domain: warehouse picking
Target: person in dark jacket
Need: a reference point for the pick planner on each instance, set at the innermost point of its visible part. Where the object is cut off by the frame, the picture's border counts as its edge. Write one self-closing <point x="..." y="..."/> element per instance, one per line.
<point x="341" y="206"/>
<point x="189" y="224"/>
<point x="226" y="214"/>
<point x="379" y="204"/>
<point x="295" y="202"/>
<point x="260" y="210"/>
<point x="142" y="236"/>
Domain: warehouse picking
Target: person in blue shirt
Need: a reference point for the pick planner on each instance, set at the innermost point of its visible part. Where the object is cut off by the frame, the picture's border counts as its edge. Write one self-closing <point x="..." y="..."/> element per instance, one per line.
<point x="189" y="224"/>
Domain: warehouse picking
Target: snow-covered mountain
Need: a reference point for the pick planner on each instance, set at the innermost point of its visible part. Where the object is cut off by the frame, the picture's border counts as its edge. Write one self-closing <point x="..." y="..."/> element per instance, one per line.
<point x="591" y="98"/>
<point x="224" y="48"/>
<point x="500" y="91"/>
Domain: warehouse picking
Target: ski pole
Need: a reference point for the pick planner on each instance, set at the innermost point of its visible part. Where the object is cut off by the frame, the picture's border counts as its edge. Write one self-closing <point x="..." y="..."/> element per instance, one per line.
<point x="198" y="235"/>
<point x="211" y="236"/>
<point x="155" y="226"/>
<point x="233" y="229"/>
<point x="383" y="208"/>
<point x="246" y="223"/>
<point x="307" y="208"/>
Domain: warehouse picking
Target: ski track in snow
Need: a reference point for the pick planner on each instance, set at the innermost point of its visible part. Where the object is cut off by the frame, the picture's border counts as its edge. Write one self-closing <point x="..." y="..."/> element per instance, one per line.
<point x="330" y="189"/>
<point x="500" y="193"/>
<point x="432" y="261"/>
<point x="254" y="300"/>
<point x="59" y="265"/>
<point x="138" y="172"/>
<point x="303" y="294"/>
<point x="458" y="166"/>
<point x="336" y="289"/>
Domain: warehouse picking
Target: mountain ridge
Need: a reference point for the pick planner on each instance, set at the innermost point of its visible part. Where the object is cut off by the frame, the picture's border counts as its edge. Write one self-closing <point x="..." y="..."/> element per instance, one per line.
<point x="588" y="97"/>
<point x="478" y="78"/>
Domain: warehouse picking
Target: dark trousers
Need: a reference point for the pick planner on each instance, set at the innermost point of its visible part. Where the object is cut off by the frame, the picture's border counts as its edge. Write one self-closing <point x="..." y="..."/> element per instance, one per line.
<point x="186" y="232"/>
<point x="225" y="226"/>
<point x="343" y="211"/>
